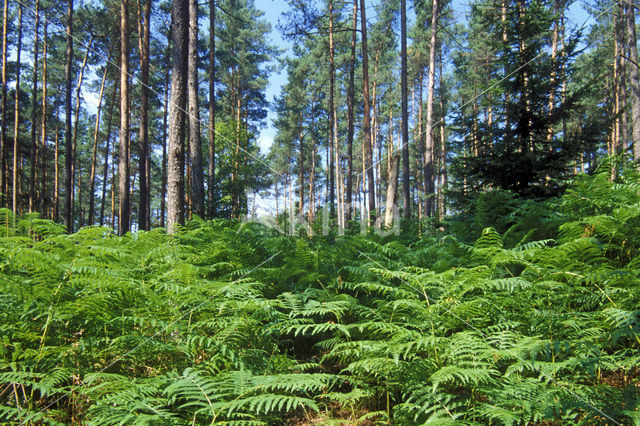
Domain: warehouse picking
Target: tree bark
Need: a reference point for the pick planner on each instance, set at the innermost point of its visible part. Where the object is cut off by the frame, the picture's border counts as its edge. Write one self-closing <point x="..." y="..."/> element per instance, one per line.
<point x="350" y="114"/>
<point x="68" y="183"/>
<point x="405" y="114"/>
<point x="144" y="214"/>
<point x="195" y="139"/>
<point x="43" y="193"/>
<point x="124" y="211"/>
<point x="3" y="130"/>
<point x="391" y="191"/>
<point x="368" y="161"/>
<point x="428" y="165"/>
<point x="163" y="184"/>
<point x="16" y="126"/>
<point x="634" y="79"/>
<point x="301" y="166"/>
<point x="332" y="111"/>
<point x="175" y="176"/>
<point x="107" y="151"/>
<point x="94" y="152"/>
<point x="34" y="113"/>
<point x="211" y="178"/>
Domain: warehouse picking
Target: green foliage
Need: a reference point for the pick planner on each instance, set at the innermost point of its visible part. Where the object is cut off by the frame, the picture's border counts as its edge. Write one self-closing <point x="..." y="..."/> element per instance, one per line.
<point x="230" y="323"/>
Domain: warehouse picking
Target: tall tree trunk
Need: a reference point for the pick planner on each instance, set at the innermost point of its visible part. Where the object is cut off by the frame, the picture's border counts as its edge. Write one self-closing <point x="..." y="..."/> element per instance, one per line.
<point x="195" y="140"/>
<point x="163" y="184"/>
<point x="68" y="183"/>
<point x="43" y="193"/>
<point x="124" y="211"/>
<point x="367" y="117"/>
<point x="301" y="167"/>
<point x="428" y="165"/>
<point x="34" y="113"/>
<point x="634" y="79"/>
<point x="211" y="178"/>
<point x="144" y="30"/>
<point x="16" y="127"/>
<point x="3" y="128"/>
<point x="56" y="170"/>
<point x="175" y="176"/>
<point x="94" y="152"/>
<point x="350" y="114"/>
<point x="442" y="168"/>
<point x="107" y="151"/>
<point x="76" y="120"/>
<point x="405" y="114"/>
<point x="332" y="122"/>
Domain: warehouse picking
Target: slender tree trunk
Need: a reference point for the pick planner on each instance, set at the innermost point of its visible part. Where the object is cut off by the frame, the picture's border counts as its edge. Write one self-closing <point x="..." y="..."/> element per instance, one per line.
<point x="68" y="182"/>
<point x="332" y="122"/>
<point x="107" y="151"/>
<point x="634" y="79"/>
<point x="212" y="110"/>
<point x="195" y="140"/>
<point x="405" y="114"/>
<point x="144" y="29"/>
<point x="76" y="120"/>
<point x="367" y="116"/>
<point x="43" y="193"/>
<point x="301" y="166"/>
<point x="505" y="41"/>
<point x="34" y="113"/>
<point x="16" y="127"/>
<point x="124" y="224"/>
<point x="94" y="152"/>
<point x="428" y="166"/>
<point x="3" y="130"/>
<point x="442" y="169"/>
<point x="56" y="170"/>
<point x="175" y="176"/>
<point x="350" y="113"/>
<point x="163" y="185"/>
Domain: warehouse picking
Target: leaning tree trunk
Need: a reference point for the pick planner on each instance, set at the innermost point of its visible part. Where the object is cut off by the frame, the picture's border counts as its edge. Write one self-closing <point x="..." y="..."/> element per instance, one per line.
<point x="175" y="173"/>
<point x="195" y="140"/>
<point x="124" y="224"/>
<point x="94" y="151"/>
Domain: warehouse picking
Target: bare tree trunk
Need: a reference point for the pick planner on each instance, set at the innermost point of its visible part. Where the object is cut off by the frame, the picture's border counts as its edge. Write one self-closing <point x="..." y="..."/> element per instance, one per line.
<point x="391" y="191"/>
<point x="56" y="170"/>
<point x="634" y="79"/>
<point x="163" y="185"/>
<point x="34" y="113"/>
<point x="332" y="122"/>
<point x="105" y="172"/>
<point x="76" y="119"/>
<point x="124" y="224"/>
<point x="175" y="176"/>
<point x="553" y="77"/>
<point x="367" y="116"/>
<point x="442" y="169"/>
<point x="405" y="114"/>
<point x="43" y="194"/>
<point x="3" y="130"/>
<point x="16" y="127"/>
<point x="212" y="110"/>
<point x="428" y="166"/>
<point x="195" y="141"/>
<point x="94" y="152"/>
<point x="350" y="114"/>
<point x="301" y="166"/>
<point x="68" y="183"/>
<point x="144" y="30"/>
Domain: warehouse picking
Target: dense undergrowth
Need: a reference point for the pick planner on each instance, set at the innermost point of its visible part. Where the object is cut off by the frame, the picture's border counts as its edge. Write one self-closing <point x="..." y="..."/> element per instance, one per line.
<point x="521" y="312"/>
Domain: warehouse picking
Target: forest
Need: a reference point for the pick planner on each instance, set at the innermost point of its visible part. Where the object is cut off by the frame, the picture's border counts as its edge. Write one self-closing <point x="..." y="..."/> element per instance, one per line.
<point x="444" y="228"/>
